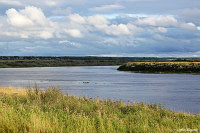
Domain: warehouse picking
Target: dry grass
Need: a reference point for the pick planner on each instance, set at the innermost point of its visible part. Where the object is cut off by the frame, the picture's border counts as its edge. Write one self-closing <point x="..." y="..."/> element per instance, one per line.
<point x="12" y="91"/>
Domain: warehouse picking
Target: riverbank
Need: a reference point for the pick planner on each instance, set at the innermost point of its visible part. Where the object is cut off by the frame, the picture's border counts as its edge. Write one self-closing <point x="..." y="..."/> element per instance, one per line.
<point x="37" y="61"/>
<point x="34" y="110"/>
<point x="162" y="67"/>
<point x="48" y="61"/>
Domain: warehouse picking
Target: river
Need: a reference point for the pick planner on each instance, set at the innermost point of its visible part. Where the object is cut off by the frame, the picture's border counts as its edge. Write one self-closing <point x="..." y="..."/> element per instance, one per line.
<point x="178" y="92"/>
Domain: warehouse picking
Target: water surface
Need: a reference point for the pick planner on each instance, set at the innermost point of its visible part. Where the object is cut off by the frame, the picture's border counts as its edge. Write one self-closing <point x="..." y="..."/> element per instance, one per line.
<point x="179" y="92"/>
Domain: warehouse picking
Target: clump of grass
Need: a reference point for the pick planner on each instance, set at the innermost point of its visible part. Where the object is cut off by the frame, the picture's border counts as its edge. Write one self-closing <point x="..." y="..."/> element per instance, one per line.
<point x="51" y="111"/>
<point x="162" y="67"/>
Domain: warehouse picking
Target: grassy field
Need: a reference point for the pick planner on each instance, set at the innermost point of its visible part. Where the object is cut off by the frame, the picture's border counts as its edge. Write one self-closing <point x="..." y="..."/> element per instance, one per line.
<point x="162" y="67"/>
<point x="33" y="110"/>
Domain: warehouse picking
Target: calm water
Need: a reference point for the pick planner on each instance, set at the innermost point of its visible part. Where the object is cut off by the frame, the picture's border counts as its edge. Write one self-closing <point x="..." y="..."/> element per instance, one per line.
<point x="179" y="92"/>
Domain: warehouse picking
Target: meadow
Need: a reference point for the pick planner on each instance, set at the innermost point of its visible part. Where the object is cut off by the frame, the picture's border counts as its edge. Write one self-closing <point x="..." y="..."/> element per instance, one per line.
<point x="34" y="110"/>
<point x="162" y="67"/>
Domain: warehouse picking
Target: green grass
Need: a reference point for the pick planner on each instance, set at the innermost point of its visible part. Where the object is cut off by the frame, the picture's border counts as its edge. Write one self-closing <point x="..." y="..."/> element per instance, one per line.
<point x="51" y="111"/>
<point x="162" y="67"/>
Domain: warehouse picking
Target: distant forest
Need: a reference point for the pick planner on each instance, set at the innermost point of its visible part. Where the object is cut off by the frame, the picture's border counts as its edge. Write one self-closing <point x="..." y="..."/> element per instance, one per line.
<point x="50" y="61"/>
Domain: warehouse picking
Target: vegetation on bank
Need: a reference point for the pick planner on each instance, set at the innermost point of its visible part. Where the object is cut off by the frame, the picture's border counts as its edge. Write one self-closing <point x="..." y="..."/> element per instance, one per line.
<point x="55" y="63"/>
<point x="37" y="61"/>
<point x="162" y="67"/>
<point x="33" y="110"/>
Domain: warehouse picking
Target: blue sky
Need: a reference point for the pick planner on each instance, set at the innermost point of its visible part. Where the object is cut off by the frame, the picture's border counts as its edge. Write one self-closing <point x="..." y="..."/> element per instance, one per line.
<point x="159" y="28"/>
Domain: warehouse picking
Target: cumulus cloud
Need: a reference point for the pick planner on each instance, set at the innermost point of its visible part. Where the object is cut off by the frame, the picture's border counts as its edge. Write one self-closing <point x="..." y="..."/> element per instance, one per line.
<point x="97" y="20"/>
<point x="100" y="23"/>
<point x="157" y="30"/>
<point x="120" y="29"/>
<point x="76" y="18"/>
<point x="188" y="26"/>
<point x="162" y="29"/>
<point x="32" y="23"/>
<point x="74" y="33"/>
<point x="17" y="19"/>
<point x="96" y="32"/>
<point x="74" y="44"/>
<point x="28" y="17"/>
<point x="164" y="21"/>
<point x="29" y="22"/>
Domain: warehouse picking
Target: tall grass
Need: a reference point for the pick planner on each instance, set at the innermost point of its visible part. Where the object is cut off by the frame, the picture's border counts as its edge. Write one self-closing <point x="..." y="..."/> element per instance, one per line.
<point x="51" y="111"/>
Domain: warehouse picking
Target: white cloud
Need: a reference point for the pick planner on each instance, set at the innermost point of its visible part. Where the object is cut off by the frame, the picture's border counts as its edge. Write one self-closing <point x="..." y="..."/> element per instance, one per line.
<point x="76" y="18"/>
<point x="29" y="22"/>
<point x="188" y="26"/>
<point x="30" y="16"/>
<point x="45" y="34"/>
<point x="106" y="8"/>
<point x="162" y="29"/>
<point x="102" y="24"/>
<point x="134" y="29"/>
<point x="120" y="29"/>
<point x="158" y="30"/>
<point x="70" y="43"/>
<point x="74" y="33"/>
<point x="17" y="19"/>
<point x="97" y="20"/>
<point x="163" y="21"/>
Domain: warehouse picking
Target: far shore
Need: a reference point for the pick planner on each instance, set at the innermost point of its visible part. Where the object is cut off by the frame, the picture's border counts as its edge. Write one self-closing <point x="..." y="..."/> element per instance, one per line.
<point x="162" y="67"/>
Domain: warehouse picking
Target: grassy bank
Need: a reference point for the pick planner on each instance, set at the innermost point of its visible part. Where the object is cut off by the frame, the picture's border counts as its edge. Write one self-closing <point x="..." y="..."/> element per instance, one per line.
<point x="162" y="67"/>
<point x="51" y="111"/>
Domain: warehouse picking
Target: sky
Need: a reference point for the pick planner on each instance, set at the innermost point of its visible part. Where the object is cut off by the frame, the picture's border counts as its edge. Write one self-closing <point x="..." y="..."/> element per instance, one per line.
<point x="135" y="28"/>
